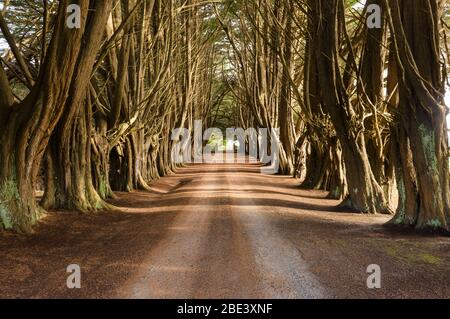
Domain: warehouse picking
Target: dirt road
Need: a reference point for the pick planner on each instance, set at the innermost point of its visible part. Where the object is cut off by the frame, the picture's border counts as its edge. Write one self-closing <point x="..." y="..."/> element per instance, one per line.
<point x="222" y="231"/>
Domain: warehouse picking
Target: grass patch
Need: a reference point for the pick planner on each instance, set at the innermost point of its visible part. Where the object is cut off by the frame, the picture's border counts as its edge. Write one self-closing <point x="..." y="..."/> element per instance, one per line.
<point x="411" y="255"/>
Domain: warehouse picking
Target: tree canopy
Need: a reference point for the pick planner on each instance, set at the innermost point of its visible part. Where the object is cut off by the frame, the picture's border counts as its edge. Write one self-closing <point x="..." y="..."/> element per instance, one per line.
<point x="88" y="111"/>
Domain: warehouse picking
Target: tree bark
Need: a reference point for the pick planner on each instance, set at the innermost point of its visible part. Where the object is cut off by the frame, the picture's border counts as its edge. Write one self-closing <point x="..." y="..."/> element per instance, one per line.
<point x="422" y="111"/>
<point x="70" y="144"/>
<point x="25" y="135"/>
<point x="365" y="194"/>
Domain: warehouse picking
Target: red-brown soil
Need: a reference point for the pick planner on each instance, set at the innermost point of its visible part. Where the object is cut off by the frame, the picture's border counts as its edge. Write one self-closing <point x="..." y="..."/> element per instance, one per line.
<point x="222" y="231"/>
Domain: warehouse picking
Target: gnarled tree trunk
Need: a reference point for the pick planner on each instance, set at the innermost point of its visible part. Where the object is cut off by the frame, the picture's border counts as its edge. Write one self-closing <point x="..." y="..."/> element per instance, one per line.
<point x="422" y="111"/>
<point x="27" y="126"/>
<point x="365" y="194"/>
<point x="70" y="146"/>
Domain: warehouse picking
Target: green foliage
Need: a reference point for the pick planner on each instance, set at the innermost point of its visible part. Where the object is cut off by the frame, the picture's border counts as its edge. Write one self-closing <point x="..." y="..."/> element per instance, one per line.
<point x="434" y="223"/>
<point x="8" y="194"/>
<point x="25" y="22"/>
<point x="429" y="142"/>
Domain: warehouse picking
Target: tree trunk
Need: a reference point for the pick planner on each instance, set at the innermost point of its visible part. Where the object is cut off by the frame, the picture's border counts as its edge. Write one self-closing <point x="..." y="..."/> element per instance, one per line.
<point x="421" y="108"/>
<point x="285" y="113"/>
<point x="70" y="144"/>
<point x="365" y="194"/>
<point x="28" y="125"/>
